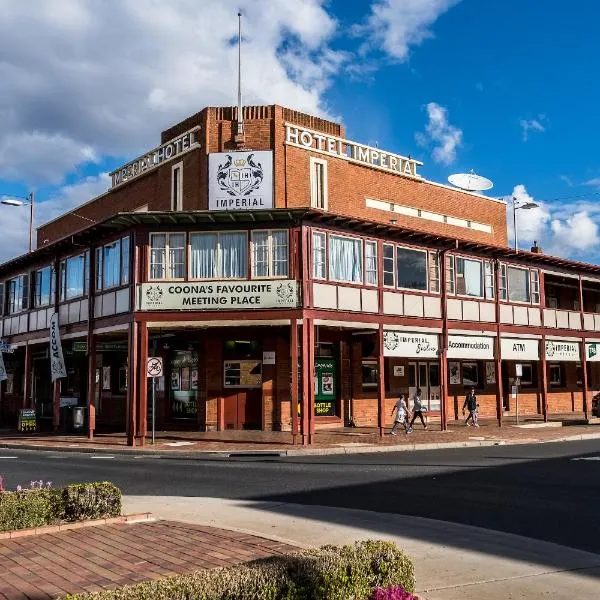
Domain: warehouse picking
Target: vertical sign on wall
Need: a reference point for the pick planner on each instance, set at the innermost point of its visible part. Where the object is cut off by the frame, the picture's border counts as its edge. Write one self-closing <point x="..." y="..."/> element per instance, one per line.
<point x="3" y="375"/>
<point x="57" y="361"/>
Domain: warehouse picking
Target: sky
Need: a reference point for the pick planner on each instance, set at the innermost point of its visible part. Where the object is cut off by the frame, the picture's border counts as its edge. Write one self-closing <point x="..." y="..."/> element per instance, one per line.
<point x="502" y="88"/>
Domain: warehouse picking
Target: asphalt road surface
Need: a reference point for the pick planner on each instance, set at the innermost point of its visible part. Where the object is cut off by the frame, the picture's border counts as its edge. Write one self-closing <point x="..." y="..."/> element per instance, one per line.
<point x="545" y="491"/>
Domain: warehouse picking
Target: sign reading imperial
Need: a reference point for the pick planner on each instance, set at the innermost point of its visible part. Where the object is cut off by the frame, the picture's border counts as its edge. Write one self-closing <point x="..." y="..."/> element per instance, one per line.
<point x="351" y="151"/>
<point x="215" y="295"/>
<point x="155" y="157"/>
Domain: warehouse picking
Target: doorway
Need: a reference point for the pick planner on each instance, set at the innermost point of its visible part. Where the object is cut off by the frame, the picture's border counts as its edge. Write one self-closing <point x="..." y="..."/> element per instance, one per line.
<point x="425" y="375"/>
<point x="242" y="409"/>
<point x="42" y="389"/>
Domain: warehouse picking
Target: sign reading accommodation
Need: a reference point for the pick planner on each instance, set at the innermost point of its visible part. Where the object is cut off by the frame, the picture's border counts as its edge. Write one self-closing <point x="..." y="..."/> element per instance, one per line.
<point x="240" y="180"/>
<point x="350" y="151"/>
<point x="470" y="346"/>
<point x="281" y="293"/>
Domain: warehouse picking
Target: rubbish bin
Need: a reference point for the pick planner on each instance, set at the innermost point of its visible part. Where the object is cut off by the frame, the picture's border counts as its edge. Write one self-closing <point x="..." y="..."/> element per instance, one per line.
<point x="78" y="419"/>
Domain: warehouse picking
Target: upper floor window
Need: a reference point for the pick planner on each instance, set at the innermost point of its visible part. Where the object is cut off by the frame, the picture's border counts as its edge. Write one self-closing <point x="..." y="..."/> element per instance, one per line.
<point x="388" y="265"/>
<point x="219" y="255"/>
<point x="74" y="276"/>
<point x="450" y="274"/>
<point x="345" y="259"/>
<point x="411" y="268"/>
<point x="177" y="186"/>
<point x="112" y="264"/>
<point x="469" y="277"/>
<point x="18" y="294"/>
<point x="371" y="263"/>
<point x="167" y="255"/>
<point x="434" y="272"/>
<point x="319" y="255"/>
<point x="43" y="294"/>
<point x="519" y="284"/>
<point x="270" y="253"/>
<point x="318" y="183"/>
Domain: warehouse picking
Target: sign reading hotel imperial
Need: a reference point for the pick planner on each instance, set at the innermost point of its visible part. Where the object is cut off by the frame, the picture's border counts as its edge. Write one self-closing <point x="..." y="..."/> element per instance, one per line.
<point x="350" y="151"/>
<point x="218" y="295"/>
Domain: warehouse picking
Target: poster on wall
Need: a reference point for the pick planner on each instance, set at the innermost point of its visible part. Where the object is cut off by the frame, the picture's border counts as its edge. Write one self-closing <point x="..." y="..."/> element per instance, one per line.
<point x="175" y="380"/>
<point x="454" y="372"/>
<point x="194" y="379"/>
<point x="398" y="370"/>
<point x="106" y="378"/>
<point x="240" y="180"/>
<point x="327" y="384"/>
<point x="490" y="372"/>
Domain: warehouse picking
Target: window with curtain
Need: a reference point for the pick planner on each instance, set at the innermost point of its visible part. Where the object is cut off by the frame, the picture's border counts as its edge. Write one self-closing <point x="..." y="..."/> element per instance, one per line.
<point x="319" y="252"/>
<point x="469" y="277"/>
<point x="176" y="243"/>
<point x="371" y="263"/>
<point x="489" y="279"/>
<point x="44" y="287"/>
<point x="388" y="265"/>
<point x="167" y="255"/>
<point x="450" y="275"/>
<point x="345" y="259"/>
<point x="270" y="253"/>
<point x="219" y="255"/>
<point x="518" y="285"/>
<point x="158" y="255"/>
<point x="434" y="272"/>
<point x="411" y="269"/>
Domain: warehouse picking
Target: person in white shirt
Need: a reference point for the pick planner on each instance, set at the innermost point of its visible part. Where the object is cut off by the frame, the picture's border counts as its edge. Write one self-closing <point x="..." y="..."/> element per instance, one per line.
<point x="417" y="409"/>
<point x="401" y="410"/>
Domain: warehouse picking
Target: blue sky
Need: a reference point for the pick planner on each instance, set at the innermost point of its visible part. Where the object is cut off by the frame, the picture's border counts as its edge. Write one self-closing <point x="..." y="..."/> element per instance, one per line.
<point x="499" y="87"/>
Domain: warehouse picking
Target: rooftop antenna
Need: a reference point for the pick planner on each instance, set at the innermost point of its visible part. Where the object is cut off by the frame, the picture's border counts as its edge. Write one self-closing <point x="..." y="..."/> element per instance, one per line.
<point x="239" y="136"/>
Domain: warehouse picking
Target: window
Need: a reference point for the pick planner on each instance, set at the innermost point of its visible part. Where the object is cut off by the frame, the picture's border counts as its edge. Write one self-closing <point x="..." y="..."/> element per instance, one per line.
<point x="527" y="377"/>
<point x="18" y="294"/>
<point x="388" y="265"/>
<point x="44" y="287"/>
<point x="270" y="253"/>
<point x="371" y="263"/>
<point x="112" y="264"/>
<point x="450" y="274"/>
<point x="370" y="373"/>
<point x="535" y="286"/>
<point x="219" y="255"/>
<point x="177" y="186"/>
<point x="345" y="259"/>
<point x="74" y="276"/>
<point x="554" y="375"/>
<point x="2" y="285"/>
<point x="518" y="285"/>
<point x="503" y="283"/>
<point x="470" y="373"/>
<point x="489" y="279"/>
<point x="411" y="268"/>
<point x="318" y="183"/>
<point x="434" y="272"/>
<point x="319" y="252"/>
<point x="167" y="255"/>
<point x="468" y="277"/>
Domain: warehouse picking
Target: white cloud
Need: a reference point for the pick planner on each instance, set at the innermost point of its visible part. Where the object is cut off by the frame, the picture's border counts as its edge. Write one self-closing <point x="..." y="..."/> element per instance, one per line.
<point x="566" y="179"/>
<point x="82" y="79"/>
<point x="396" y="25"/>
<point x="595" y="182"/>
<point x="15" y="221"/>
<point x="532" y="223"/>
<point x="528" y="125"/>
<point x="578" y="232"/>
<point x="445" y="138"/>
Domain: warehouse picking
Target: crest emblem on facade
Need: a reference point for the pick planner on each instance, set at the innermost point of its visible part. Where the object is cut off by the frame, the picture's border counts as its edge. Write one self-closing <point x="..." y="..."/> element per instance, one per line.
<point x="391" y="340"/>
<point x="550" y="349"/>
<point x="154" y="294"/>
<point x="285" y="292"/>
<point x="240" y="176"/>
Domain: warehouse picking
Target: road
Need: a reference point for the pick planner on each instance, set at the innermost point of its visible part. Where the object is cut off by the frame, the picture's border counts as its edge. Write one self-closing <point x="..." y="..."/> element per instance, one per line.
<point x="548" y="492"/>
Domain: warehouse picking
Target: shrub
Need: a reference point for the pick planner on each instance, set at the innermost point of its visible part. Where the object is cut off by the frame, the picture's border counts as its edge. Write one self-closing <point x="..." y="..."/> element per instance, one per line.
<point x="396" y="592"/>
<point x="38" y="506"/>
<point x="327" y="573"/>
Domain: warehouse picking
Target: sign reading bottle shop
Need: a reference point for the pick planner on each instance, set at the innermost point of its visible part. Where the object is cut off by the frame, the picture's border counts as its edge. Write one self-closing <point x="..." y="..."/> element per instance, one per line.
<point x="282" y="293"/>
<point x="350" y="151"/>
<point x="558" y="350"/>
<point x="399" y="343"/>
<point x="240" y="180"/>
<point x="167" y="151"/>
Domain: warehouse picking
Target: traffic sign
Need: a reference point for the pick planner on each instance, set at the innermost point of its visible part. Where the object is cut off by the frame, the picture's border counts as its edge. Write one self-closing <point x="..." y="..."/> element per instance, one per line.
<point x="154" y="367"/>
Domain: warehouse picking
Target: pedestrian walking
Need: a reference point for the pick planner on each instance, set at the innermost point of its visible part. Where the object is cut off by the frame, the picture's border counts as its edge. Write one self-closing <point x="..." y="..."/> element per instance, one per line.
<point x="418" y="409"/>
<point x="401" y="410"/>
<point x="471" y="405"/>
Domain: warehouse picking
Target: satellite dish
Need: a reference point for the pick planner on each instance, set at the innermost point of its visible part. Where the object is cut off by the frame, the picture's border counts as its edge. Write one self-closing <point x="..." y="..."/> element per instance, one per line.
<point x="470" y="182"/>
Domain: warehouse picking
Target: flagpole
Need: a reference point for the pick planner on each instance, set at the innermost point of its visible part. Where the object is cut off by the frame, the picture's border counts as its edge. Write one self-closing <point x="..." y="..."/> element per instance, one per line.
<point x="240" y="116"/>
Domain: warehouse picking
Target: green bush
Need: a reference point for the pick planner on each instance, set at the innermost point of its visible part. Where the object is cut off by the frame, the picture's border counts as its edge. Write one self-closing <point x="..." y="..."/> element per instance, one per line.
<point x="38" y="507"/>
<point x="327" y="573"/>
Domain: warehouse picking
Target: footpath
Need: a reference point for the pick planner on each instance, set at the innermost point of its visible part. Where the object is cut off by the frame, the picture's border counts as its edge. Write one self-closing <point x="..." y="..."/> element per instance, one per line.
<point x="190" y="445"/>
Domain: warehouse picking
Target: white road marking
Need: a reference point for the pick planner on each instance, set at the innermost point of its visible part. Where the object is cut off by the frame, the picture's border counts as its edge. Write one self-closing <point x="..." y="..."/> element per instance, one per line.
<point x="6" y="457"/>
<point x="101" y="456"/>
<point x="587" y="458"/>
<point x="180" y="444"/>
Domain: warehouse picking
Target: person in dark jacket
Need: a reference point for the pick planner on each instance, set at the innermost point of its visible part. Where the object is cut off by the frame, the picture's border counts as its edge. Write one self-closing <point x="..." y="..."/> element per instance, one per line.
<point x="471" y="405"/>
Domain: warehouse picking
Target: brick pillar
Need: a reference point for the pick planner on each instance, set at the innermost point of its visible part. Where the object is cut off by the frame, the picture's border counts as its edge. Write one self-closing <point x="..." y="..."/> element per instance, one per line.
<point x="294" y="378"/>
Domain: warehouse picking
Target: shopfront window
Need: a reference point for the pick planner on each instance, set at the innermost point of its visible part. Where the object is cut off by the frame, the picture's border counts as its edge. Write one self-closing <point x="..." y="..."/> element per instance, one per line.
<point x="319" y="252"/>
<point x="73" y="276"/>
<point x="555" y="375"/>
<point x="167" y="255"/>
<point x="183" y="385"/>
<point x="222" y="255"/>
<point x="270" y="253"/>
<point x="411" y="268"/>
<point x="470" y="373"/>
<point x="518" y="285"/>
<point x="370" y="373"/>
<point x="44" y="287"/>
<point x="527" y="376"/>
<point x="345" y="259"/>
<point x="469" y="277"/>
<point x="18" y="294"/>
<point x="325" y="387"/>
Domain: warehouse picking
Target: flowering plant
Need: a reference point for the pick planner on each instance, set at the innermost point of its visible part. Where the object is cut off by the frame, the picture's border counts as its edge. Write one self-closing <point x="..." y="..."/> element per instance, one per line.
<point x="395" y="592"/>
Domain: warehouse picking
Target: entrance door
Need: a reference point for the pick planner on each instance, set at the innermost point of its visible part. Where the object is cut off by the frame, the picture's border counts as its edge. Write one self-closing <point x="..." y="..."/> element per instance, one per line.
<point x="42" y="391"/>
<point x="242" y="409"/>
<point x="425" y="375"/>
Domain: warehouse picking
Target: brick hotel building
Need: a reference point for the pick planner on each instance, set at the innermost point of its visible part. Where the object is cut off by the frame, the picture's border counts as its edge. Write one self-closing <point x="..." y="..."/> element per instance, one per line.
<point x="292" y="280"/>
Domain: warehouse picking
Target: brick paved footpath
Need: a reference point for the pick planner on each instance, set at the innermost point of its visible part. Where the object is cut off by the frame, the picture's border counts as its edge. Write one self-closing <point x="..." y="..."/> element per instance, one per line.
<point x="39" y="567"/>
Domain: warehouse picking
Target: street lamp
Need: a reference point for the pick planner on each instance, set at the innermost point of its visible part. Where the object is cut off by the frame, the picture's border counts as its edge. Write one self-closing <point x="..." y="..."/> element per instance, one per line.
<point x="516" y="207"/>
<point x="20" y="201"/>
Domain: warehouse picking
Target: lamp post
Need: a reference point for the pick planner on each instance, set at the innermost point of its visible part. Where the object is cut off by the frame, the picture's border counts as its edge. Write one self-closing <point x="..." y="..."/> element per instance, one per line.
<point x="23" y="201"/>
<point x="516" y="207"/>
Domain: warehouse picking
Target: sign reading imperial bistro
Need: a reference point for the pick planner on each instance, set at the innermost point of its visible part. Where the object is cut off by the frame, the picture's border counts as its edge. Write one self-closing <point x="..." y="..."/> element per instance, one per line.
<point x="559" y="350"/>
<point x="281" y="293"/>
<point x="400" y="343"/>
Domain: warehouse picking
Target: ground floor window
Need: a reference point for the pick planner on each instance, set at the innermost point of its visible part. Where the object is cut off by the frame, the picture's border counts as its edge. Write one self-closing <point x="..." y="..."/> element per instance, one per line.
<point x="325" y="387"/>
<point x="555" y="375"/>
<point x="183" y="387"/>
<point x="470" y="373"/>
<point x="370" y="373"/>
